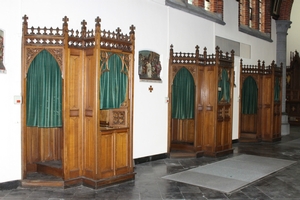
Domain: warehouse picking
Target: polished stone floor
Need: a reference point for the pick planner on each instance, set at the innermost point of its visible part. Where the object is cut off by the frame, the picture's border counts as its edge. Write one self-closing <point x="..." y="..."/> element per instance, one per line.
<point x="282" y="185"/>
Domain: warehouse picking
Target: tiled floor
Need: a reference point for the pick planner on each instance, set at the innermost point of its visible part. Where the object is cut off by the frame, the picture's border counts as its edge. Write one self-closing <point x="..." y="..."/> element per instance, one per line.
<point x="148" y="184"/>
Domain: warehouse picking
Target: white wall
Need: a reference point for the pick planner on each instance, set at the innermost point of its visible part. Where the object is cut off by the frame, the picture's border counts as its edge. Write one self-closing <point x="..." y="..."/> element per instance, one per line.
<point x="10" y="83"/>
<point x="157" y="27"/>
<point x="293" y="39"/>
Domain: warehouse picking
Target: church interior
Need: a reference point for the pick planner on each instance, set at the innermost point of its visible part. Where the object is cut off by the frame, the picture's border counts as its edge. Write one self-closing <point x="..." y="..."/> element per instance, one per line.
<point x="102" y="99"/>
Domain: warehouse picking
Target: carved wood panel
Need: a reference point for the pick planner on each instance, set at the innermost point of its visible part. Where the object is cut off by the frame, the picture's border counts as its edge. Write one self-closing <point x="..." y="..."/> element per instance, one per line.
<point x="121" y="152"/>
<point x="32" y="52"/>
<point x="43" y="144"/>
<point x="106" y="154"/>
<point x="73" y="119"/>
<point x="183" y="130"/>
<point x="90" y="98"/>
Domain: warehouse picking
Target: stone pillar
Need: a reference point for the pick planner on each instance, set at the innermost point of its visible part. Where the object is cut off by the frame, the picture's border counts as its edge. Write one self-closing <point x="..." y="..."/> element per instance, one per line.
<point x="281" y="29"/>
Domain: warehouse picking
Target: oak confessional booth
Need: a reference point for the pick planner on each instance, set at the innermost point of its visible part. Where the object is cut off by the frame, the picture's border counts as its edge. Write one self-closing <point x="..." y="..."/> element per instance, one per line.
<point x="200" y="108"/>
<point x="77" y="89"/>
<point x="293" y="90"/>
<point x="260" y="102"/>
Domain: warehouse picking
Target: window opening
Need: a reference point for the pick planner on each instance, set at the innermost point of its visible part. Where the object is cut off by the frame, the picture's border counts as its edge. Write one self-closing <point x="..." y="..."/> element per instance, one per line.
<point x="2" y="68"/>
<point x="207" y="5"/>
<point x="260" y="15"/>
<point x="250" y="13"/>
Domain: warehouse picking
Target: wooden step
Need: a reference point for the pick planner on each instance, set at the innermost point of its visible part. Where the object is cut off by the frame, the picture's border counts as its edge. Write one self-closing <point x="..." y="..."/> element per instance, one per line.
<point x="183" y="154"/>
<point x="50" y="167"/>
<point x="35" y="179"/>
<point x="42" y="183"/>
<point x="248" y="138"/>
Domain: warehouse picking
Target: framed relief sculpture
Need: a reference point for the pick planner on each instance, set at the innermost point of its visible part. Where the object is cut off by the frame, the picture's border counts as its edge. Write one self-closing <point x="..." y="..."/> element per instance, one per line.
<point x="149" y="65"/>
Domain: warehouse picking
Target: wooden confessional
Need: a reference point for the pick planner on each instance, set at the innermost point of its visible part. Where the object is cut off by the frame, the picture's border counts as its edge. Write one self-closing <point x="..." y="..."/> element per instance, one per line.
<point x="200" y="108"/>
<point x="293" y="90"/>
<point x="260" y="103"/>
<point x="89" y="140"/>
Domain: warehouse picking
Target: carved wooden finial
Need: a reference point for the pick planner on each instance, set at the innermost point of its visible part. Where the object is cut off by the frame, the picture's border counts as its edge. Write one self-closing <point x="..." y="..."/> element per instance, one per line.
<point x="65" y="20"/>
<point x="25" y="19"/>
<point x="259" y="65"/>
<point x="171" y="51"/>
<point x="25" y="28"/>
<point x="83" y="23"/>
<point x="132" y="29"/>
<point x="118" y="30"/>
<point x="98" y="20"/>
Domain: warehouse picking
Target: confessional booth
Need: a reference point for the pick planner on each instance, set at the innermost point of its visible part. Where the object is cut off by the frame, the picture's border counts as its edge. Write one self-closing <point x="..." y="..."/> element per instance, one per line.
<point x="200" y="108"/>
<point x="293" y="90"/>
<point x="260" y="102"/>
<point x="77" y="89"/>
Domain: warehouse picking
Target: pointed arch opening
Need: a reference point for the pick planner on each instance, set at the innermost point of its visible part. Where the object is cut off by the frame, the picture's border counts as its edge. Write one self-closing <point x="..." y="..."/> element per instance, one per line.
<point x="183" y="109"/>
<point x="249" y="111"/>
<point x="183" y="95"/>
<point x="44" y="92"/>
<point x="113" y="83"/>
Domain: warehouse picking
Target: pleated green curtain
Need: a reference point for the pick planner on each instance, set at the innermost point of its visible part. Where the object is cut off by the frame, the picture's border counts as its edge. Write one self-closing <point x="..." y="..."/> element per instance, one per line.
<point x="249" y="96"/>
<point x="277" y="90"/>
<point x="224" y="84"/>
<point x="183" y="95"/>
<point x="113" y="83"/>
<point x="44" y="92"/>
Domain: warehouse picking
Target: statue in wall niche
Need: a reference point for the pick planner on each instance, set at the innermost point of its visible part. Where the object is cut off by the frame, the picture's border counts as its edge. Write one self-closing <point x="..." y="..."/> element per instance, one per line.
<point x="149" y="65"/>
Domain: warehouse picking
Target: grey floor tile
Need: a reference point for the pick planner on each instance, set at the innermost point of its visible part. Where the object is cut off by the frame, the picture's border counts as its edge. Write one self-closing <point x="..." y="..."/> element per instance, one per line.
<point x="149" y="184"/>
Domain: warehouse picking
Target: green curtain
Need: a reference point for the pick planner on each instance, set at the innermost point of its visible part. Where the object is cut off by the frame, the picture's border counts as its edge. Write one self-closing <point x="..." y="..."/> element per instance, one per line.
<point x="224" y="84"/>
<point x="183" y="95"/>
<point x="44" y="92"/>
<point x="277" y="90"/>
<point x="249" y="96"/>
<point x="113" y="83"/>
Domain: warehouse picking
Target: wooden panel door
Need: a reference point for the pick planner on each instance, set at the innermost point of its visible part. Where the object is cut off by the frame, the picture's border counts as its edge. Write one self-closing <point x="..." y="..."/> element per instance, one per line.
<point x="267" y="97"/>
<point x="209" y="95"/>
<point x="72" y="161"/>
<point x="224" y="128"/>
<point x="90" y="114"/>
<point x="199" y="113"/>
